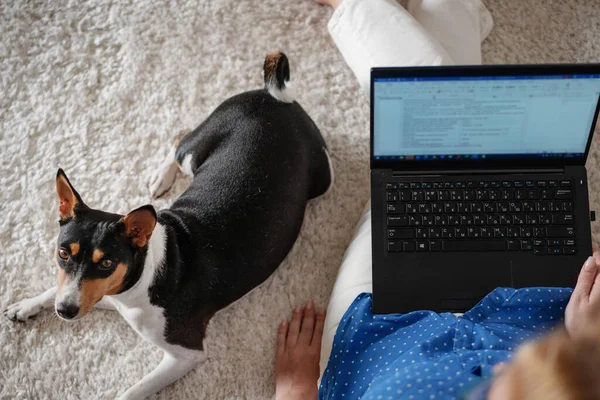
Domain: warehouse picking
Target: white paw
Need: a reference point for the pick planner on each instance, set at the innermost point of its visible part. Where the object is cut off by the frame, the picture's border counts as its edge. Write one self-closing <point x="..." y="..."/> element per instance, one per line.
<point x="24" y="309"/>
<point x="162" y="180"/>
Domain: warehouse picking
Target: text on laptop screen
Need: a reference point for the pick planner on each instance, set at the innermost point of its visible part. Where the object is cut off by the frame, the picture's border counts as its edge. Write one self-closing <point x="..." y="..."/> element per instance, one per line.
<point x="478" y="117"/>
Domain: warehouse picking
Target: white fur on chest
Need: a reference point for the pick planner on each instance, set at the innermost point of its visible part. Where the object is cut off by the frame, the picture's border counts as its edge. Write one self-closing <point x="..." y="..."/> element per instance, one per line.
<point x="134" y="305"/>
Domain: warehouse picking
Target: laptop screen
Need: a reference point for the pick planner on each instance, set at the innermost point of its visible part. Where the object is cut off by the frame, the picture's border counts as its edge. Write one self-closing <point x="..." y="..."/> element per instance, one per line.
<point x="479" y="117"/>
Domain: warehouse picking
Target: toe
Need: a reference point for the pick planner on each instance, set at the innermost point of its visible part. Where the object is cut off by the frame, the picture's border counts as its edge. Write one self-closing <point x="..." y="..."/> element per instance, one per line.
<point x="308" y="324"/>
<point x="294" y="329"/>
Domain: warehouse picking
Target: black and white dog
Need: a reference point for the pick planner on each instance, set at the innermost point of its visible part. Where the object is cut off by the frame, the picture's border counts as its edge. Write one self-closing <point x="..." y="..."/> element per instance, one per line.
<point x="255" y="162"/>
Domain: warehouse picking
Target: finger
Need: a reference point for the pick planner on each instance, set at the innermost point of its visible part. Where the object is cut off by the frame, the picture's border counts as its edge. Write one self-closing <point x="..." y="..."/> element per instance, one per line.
<point x="281" y="335"/>
<point x="586" y="278"/>
<point x="294" y="330"/>
<point x="596" y="256"/>
<point x="318" y="333"/>
<point x="308" y="324"/>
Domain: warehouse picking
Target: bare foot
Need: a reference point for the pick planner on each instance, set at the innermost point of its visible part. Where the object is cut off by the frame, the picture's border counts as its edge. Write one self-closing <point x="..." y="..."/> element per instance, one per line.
<point x="297" y="355"/>
<point x="584" y="305"/>
<point x="331" y="3"/>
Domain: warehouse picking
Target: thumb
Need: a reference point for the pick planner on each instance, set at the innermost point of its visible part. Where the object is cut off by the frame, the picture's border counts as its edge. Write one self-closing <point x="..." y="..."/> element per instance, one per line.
<point x="586" y="278"/>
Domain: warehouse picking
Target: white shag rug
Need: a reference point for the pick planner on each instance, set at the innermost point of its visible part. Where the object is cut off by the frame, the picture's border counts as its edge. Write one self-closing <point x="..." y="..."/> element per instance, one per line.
<point x="101" y="88"/>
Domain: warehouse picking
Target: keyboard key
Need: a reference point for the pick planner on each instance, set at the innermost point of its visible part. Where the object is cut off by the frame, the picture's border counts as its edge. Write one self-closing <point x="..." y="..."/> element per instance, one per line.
<point x="519" y="184"/>
<point x="527" y="232"/>
<point x="569" y="250"/>
<point x="396" y="208"/>
<point x="415" y="185"/>
<point x="428" y="220"/>
<point x="422" y="245"/>
<point x="477" y="208"/>
<point x="391" y="186"/>
<point x="437" y="185"/>
<point x="487" y="232"/>
<point x="421" y="233"/>
<point x="520" y="194"/>
<point x="565" y="183"/>
<point x="539" y="231"/>
<point x="441" y="220"/>
<point x="490" y="207"/>
<point x="515" y="207"/>
<point x="392" y="196"/>
<point x="563" y="219"/>
<point x="460" y="233"/>
<point x="563" y="194"/>
<point x="512" y="244"/>
<point x="569" y="242"/>
<point x="471" y="184"/>
<point x="539" y="242"/>
<point x="435" y="233"/>
<point x="470" y="195"/>
<point x="540" y="184"/>
<point x="444" y="195"/>
<point x="540" y="250"/>
<point x="424" y="208"/>
<point x="553" y="183"/>
<point x="503" y="207"/>
<point x="505" y="219"/>
<point x="482" y="194"/>
<point x="394" y="246"/>
<point x="466" y="220"/>
<point x="555" y="242"/>
<point x="454" y="220"/>
<point x="427" y="185"/>
<point x="431" y="195"/>
<point x="450" y="208"/>
<point x="493" y="220"/>
<point x="495" y="195"/>
<point x="560" y="231"/>
<point x="484" y="184"/>
<point x="412" y="208"/>
<point x="495" y="184"/>
<point x="518" y="220"/>
<point x="526" y="244"/>
<point x="528" y="206"/>
<point x="508" y="194"/>
<point x="448" y="233"/>
<point x="513" y="231"/>
<point x="534" y="194"/>
<point x="474" y="233"/>
<point x="506" y="184"/>
<point x="567" y="206"/>
<point x="401" y="233"/>
<point x="542" y="206"/>
<point x="529" y="184"/>
<point x="437" y="208"/>
<point x="479" y="219"/>
<point x="409" y="245"/>
<point x="554" y="250"/>
<point x="474" y="245"/>
<point x="418" y="195"/>
<point x="401" y="220"/>
<point x="415" y="220"/>
<point x="547" y="194"/>
<point x="545" y="219"/>
<point x="405" y="195"/>
<point x="435" y="245"/>
<point x="456" y="195"/>
<point x="500" y="232"/>
<point x="533" y="219"/>
<point x="463" y="208"/>
<point x="556" y="206"/>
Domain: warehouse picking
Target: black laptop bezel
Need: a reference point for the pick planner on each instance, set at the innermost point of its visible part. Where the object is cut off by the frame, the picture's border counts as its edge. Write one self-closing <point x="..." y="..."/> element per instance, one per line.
<point x="481" y="70"/>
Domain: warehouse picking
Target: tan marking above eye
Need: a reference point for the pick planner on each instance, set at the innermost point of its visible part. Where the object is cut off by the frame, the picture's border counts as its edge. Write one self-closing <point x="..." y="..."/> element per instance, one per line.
<point x="97" y="256"/>
<point x="94" y="289"/>
<point x="74" y="248"/>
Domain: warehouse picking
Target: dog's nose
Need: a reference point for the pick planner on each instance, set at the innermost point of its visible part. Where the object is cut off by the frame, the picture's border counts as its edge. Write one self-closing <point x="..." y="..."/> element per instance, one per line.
<point x="67" y="311"/>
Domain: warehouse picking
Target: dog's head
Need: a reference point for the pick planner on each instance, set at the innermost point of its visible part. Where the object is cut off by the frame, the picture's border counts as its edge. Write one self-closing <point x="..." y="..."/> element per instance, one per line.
<point x="96" y="250"/>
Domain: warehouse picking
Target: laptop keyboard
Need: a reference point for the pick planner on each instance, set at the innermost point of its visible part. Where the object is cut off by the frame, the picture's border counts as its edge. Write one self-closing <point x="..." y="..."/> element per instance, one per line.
<point x="534" y="216"/>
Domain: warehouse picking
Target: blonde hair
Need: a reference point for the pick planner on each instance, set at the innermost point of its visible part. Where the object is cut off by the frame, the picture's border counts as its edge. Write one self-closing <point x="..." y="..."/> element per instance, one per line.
<point x="557" y="367"/>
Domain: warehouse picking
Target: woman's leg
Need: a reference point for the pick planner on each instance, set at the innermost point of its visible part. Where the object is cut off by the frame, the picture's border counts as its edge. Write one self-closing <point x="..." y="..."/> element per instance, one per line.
<point x="376" y="33"/>
<point x="459" y="26"/>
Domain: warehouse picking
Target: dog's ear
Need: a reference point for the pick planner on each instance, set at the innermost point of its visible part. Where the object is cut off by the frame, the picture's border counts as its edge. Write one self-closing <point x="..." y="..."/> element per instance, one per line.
<point x="139" y="225"/>
<point x="69" y="200"/>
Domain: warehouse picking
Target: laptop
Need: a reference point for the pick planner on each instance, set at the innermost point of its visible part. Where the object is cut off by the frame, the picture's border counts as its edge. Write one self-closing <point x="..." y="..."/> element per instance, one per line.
<point x="478" y="181"/>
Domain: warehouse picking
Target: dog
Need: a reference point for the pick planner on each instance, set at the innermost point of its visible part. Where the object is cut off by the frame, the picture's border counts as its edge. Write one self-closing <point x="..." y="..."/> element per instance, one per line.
<point x="255" y="162"/>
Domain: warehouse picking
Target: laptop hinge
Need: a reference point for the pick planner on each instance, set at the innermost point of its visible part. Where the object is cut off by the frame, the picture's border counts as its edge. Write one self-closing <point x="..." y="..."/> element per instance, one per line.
<point x="480" y="171"/>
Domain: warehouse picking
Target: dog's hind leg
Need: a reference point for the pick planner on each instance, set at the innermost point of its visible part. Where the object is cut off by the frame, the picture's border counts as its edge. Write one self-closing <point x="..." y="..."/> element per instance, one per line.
<point x="169" y="370"/>
<point x="164" y="177"/>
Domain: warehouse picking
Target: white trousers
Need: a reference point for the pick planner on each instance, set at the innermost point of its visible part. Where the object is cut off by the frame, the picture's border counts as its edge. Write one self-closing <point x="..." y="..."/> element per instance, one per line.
<point x="377" y="33"/>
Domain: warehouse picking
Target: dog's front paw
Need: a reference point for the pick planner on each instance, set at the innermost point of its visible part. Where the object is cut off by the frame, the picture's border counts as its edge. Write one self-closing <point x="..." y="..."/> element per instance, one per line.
<point x="24" y="309"/>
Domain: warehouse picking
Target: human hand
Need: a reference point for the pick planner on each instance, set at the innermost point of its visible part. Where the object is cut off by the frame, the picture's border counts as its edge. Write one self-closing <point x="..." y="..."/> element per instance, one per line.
<point x="584" y="306"/>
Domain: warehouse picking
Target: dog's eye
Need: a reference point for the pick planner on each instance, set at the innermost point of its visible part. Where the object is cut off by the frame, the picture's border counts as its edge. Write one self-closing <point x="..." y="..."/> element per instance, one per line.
<point x="63" y="254"/>
<point x="106" y="264"/>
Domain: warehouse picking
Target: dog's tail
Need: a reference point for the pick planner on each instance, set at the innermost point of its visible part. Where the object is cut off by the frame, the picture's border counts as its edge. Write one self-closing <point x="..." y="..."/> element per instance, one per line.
<point x="277" y="77"/>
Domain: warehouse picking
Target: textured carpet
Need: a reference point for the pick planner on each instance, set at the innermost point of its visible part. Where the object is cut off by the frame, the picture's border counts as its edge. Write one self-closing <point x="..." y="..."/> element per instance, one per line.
<point x="100" y="88"/>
